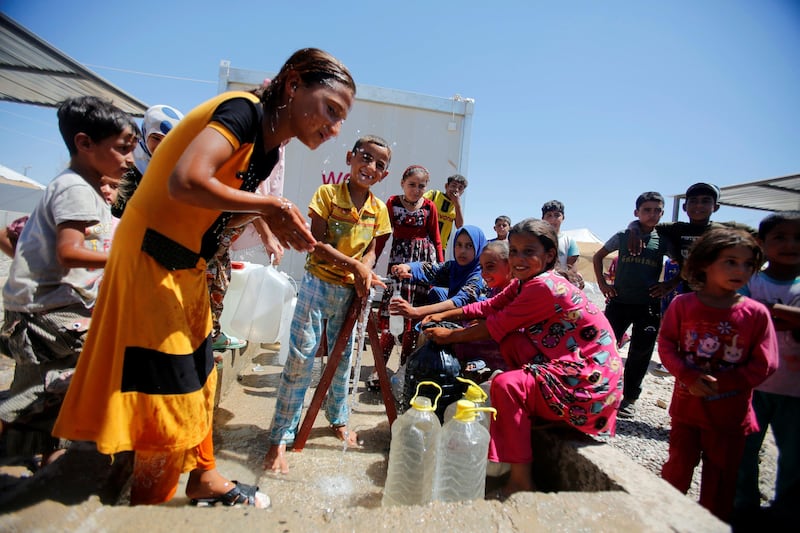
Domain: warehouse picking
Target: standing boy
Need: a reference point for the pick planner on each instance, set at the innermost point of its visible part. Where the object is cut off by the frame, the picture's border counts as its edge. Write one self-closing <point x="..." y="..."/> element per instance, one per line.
<point x="55" y="275"/>
<point x="568" y="252"/>
<point x="346" y="220"/>
<point x="776" y="401"/>
<point x="448" y="205"/>
<point x="502" y="225"/>
<point x="702" y="200"/>
<point x="634" y="299"/>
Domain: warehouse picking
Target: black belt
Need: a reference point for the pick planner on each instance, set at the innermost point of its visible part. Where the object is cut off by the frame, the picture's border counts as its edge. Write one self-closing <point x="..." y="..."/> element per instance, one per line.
<point x="168" y="253"/>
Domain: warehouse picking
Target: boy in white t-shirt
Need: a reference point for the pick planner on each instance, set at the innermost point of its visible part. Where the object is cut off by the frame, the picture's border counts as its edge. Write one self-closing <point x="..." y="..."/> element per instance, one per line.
<point x="568" y="252"/>
<point x="55" y="275"/>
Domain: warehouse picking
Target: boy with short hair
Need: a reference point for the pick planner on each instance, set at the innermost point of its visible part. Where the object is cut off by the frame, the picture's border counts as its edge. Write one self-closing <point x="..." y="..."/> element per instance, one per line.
<point x="568" y="252"/>
<point x="702" y="200"/>
<point x="55" y="275"/>
<point x="776" y="401"/>
<point x="448" y="205"/>
<point x="502" y="225"/>
<point x="346" y="220"/>
<point x="634" y="299"/>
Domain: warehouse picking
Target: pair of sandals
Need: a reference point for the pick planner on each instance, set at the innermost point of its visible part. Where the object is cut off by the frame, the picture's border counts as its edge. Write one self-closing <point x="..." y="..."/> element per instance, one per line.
<point x="240" y="494"/>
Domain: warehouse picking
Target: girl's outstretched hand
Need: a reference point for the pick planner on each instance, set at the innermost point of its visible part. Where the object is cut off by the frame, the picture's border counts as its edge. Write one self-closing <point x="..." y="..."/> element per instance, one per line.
<point x="289" y="226"/>
<point x="398" y="306"/>
<point x="436" y="317"/>
<point x="439" y="335"/>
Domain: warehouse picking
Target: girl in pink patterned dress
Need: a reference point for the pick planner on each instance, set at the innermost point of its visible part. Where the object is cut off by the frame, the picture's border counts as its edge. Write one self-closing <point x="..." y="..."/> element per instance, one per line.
<point x="560" y="347"/>
<point x="415" y="238"/>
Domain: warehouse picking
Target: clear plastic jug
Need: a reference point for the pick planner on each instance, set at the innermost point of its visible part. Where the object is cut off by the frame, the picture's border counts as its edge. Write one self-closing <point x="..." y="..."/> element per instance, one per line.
<point x="412" y="457"/>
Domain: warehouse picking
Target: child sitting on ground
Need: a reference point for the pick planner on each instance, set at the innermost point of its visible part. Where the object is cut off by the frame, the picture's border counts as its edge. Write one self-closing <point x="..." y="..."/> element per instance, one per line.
<point x="461" y="277"/>
<point x="496" y="273"/>
<point x="719" y="345"/>
<point x="346" y="219"/>
<point x="565" y="366"/>
<point x="55" y="275"/>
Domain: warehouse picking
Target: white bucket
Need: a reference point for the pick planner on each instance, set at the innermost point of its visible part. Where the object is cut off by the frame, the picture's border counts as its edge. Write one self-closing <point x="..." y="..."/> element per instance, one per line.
<point x="239" y="272"/>
<point x="257" y="317"/>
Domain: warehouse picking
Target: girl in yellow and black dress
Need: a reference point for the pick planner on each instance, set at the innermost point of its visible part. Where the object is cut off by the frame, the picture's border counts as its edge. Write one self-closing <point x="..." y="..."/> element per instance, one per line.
<point x="144" y="381"/>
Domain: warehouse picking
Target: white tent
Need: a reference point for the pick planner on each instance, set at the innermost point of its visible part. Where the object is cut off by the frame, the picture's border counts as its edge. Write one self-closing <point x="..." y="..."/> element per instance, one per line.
<point x="588" y="244"/>
<point x="18" y="193"/>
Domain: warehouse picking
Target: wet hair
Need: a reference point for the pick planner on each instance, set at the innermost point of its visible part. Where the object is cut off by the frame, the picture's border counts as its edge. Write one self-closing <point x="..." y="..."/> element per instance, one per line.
<point x="415" y="169"/>
<point x="96" y="117"/>
<point x="552" y="205"/>
<point x="543" y="231"/>
<point x="498" y="247"/>
<point x="710" y="245"/>
<point x="503" y="218"/>
<point x="313" y="66"/>
<point x="650" y="196"/>
<point x="769" y="223"/>
<point x="458" y="178"/>
<point x="377" y="141"/>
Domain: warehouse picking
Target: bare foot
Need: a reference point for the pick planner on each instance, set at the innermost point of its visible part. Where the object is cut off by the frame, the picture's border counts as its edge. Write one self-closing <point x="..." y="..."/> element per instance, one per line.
<point x="342" y="433"/>
<point x="275" y="459"/>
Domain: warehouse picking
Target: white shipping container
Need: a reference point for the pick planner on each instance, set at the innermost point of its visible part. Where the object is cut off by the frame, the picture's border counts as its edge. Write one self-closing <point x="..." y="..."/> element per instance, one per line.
<point x="422" y="130"/>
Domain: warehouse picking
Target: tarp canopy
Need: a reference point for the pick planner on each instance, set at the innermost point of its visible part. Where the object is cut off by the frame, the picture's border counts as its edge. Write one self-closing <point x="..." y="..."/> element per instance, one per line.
<point x="774" y="194"/>
<point x="34" y="72"/>
<point x="18" y="193"/>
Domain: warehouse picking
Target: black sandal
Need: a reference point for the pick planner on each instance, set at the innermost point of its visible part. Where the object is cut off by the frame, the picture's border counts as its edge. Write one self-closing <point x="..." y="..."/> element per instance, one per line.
<point x="240" y="494"/>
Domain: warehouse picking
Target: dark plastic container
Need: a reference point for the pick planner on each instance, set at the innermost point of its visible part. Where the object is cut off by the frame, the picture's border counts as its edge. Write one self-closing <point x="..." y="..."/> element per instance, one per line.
<point x="437" y="363"/>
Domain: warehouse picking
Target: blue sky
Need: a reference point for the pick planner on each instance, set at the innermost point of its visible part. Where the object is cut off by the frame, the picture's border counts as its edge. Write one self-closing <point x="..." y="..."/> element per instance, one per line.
<point x="588" y="102"/>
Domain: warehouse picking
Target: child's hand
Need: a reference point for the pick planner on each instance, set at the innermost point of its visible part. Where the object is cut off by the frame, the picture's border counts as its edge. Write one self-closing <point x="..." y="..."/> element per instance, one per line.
<point x="289" y="226"/>
<point x="705" y="385"/>
<point x="401" y="271"/>
<point x="436" y="317"/>
<point x="659" y="290"/>
<point x="376" y="280"/>
<point x="608" y="290"/>
<point x="398" y="306"/>
<point x="439" y="335"/>
<point x="363" y="278"/>
<point x="635" y="238"/>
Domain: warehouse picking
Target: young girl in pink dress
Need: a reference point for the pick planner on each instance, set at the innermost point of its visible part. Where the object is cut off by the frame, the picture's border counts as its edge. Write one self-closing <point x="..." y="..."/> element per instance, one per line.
<point x="559" y="346"/>
<point x="719" y="345"/>
<point x="415" y="238"/>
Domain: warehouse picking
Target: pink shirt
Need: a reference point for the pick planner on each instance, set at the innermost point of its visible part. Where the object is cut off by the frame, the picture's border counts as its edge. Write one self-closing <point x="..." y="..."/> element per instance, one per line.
<point x="737" y="346"/>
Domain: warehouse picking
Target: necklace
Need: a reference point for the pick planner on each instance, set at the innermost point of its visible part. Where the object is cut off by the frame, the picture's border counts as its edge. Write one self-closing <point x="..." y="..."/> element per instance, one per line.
<point x="408" y="203"/>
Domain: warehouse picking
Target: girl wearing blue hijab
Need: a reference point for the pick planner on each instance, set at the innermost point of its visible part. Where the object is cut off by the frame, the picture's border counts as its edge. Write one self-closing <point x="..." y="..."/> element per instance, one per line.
<point x="461" y="277"/>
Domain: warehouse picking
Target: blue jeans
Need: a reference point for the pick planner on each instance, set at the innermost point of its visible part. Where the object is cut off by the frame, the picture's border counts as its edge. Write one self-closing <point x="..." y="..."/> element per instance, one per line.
<point x="317" y="300"/>
<point x="783" y="414"/>
<point x="646" y="319"/>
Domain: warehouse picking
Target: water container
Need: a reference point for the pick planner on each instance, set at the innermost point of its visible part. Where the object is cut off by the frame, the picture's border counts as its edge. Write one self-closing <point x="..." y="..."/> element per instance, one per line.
<point x="432" y="362"/>
<point x="239" y="272"/>
<point x="286" y="330"/>
<point x="463" y="448"/>
<point x="412" y="457"/>
<point x="476" y="396"/>
<point x="258" y="315"/>
<point x="396" y="322"/>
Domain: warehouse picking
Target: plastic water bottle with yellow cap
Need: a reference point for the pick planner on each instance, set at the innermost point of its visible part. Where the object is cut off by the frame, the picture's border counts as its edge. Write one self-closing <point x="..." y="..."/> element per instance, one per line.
<point x="474" y="394"/>
<point x="463" y="448"/>
<point x="412" y="457"/>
